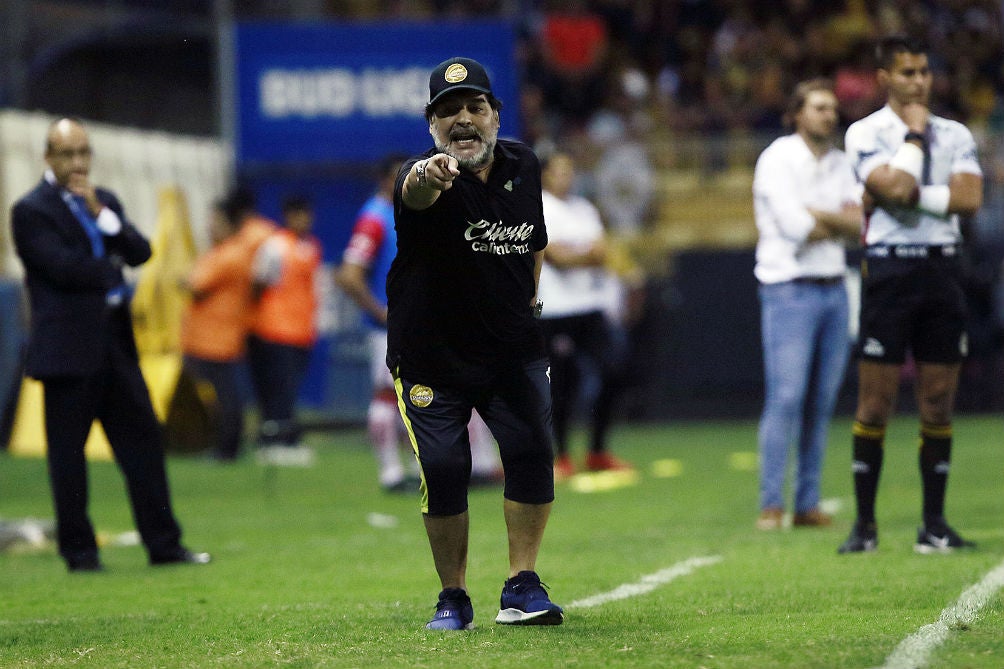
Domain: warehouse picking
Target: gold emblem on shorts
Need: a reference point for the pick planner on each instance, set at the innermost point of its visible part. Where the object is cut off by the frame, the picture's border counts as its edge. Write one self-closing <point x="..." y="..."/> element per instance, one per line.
<point x="421" y="396"/>
<point x="455" y="73"/>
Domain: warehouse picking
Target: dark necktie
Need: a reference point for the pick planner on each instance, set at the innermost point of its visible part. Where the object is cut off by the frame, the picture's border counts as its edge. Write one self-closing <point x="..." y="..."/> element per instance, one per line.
<point x="926" y="172"/>
<point x="78" y="206"/>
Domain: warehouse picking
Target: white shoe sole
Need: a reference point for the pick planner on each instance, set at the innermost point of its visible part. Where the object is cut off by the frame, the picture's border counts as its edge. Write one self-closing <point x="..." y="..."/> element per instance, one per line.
<point x="517" y="617"/>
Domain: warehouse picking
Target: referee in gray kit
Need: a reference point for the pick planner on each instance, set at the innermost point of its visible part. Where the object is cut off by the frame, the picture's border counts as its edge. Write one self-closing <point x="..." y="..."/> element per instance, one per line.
<point x="920" y="174"/>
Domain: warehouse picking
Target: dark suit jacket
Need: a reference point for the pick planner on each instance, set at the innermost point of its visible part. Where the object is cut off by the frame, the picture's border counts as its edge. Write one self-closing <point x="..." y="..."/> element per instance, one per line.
<point x="67" y="285"/>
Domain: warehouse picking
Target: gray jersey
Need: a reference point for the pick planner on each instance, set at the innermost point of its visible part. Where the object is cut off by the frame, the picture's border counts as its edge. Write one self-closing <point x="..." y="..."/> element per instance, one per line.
<point x="873" y="140"/>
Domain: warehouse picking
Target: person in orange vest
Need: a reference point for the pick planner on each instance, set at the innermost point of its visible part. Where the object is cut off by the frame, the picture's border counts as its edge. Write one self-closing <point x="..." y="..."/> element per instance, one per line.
<point x="254" y="227"/>
<point x="214" y="326"/>
<point x="284" y="330"/>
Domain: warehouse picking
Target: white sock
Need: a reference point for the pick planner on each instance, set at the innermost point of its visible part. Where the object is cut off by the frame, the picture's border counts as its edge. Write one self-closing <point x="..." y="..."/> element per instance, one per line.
<point x="383" y="421"/>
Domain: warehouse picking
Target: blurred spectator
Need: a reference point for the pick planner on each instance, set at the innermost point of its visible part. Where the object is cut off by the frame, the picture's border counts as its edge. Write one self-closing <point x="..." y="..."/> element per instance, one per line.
<point x="573" y="47"/>
<point x="74" y="239"/>
<point x="254" y="228"/>
<point x="284" y="330"/>
<point x="623" y="175"/>
<point x="574" y="286"/>
<point x="855" y="85"/>
<point x="807" y="205"/>
<point x="214" y="329"/>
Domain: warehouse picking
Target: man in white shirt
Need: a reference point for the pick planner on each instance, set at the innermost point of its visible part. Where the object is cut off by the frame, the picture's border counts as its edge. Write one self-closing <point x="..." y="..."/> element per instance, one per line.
<point x="920" y="173"/>
<point x="807" y="204"/>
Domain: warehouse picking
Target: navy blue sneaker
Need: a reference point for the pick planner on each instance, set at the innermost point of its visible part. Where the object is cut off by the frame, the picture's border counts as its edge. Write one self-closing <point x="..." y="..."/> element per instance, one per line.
<point x="525" y="602"/>
<point x="453" y="611"/>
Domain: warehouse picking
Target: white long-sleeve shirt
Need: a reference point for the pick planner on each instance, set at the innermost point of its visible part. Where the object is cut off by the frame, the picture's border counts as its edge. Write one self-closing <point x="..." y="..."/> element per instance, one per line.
<point x="787" y="181"/>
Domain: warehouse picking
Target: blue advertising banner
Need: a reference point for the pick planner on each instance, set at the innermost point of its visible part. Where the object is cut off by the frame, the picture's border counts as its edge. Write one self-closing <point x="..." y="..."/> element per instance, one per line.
<point x="337" y="93"/>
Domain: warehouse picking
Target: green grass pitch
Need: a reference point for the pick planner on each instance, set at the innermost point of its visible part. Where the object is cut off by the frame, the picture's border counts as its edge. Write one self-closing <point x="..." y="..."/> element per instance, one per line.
<point x="318" y="568"/>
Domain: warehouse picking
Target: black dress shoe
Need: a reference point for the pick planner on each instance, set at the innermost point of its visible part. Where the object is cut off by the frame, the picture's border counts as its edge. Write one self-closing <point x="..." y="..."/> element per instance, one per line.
<point x="84" y="564"/>
<point x="180" y="556"/>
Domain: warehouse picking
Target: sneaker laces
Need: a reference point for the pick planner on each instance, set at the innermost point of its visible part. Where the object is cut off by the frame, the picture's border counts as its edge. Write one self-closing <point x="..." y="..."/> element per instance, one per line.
<point x="528" y="584"/>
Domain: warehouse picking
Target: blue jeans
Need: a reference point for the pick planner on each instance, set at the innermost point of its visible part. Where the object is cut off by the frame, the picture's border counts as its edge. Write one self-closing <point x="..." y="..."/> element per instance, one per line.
<point x="805" y="349"/>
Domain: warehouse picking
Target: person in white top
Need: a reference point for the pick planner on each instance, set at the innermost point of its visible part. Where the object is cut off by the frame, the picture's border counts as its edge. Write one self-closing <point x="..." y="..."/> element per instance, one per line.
<point x="575" y="290"/>
<point x="920" y="173"/>
<point x="807" y="206"/>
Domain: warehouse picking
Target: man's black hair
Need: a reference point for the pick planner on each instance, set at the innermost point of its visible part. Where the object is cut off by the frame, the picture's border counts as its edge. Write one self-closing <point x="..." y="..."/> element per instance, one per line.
<point x="891" y="45"/>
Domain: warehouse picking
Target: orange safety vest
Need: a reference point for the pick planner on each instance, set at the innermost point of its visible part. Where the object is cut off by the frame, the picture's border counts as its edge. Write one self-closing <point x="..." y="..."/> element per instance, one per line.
<point x="215" y="326"/>
<point x="287" y="309"/>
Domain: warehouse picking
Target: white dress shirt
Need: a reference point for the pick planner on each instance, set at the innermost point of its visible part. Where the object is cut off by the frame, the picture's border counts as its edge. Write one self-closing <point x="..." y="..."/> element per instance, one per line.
<point x="788" y="180"/>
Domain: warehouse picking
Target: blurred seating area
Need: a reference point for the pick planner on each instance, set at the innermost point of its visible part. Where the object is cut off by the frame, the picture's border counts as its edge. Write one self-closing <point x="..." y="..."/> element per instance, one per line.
<point x="699" y="86"/>
<point x="666" y="103"/>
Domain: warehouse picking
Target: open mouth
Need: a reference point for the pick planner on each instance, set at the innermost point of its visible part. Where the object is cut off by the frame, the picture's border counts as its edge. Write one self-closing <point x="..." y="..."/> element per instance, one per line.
<point x="464" y="141"/>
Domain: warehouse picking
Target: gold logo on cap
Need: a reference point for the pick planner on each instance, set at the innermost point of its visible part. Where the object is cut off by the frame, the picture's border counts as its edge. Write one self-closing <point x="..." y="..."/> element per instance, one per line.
<point x="421" y="396"/>
<point x="455" y="73"/>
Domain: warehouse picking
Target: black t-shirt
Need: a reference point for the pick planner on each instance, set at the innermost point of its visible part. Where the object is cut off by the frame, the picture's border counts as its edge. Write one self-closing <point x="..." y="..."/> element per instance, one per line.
<point x="459" y="289"/>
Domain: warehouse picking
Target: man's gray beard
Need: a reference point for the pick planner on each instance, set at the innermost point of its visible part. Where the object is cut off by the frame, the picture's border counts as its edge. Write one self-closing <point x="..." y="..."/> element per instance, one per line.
<point x="475" y="162"/>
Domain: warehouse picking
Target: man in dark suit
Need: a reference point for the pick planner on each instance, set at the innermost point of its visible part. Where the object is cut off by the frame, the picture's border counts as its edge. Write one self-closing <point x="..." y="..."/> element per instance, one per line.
<point x="74" y="239"/>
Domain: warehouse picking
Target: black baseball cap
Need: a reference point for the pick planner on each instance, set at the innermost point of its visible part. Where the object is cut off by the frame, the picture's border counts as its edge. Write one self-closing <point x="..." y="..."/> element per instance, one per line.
<point x="456" y="74"/>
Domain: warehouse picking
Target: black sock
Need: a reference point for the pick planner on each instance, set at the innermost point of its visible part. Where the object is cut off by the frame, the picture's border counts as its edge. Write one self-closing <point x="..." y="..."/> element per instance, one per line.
<point x="935" y="456"/>
<point x="867" y="467"/>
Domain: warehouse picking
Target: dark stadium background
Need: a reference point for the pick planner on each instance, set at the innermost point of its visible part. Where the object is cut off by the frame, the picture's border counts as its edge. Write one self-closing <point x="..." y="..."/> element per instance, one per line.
<point x="155" y="64"/>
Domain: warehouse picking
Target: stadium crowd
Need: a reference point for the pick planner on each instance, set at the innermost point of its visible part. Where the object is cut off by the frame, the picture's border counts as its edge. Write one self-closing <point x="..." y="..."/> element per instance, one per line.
<point x="721" y="64"/>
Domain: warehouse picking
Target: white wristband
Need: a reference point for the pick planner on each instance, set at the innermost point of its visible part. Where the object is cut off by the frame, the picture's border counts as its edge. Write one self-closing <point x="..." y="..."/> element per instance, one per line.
<point x="934" y="199"/>
<point x="910" y="159"/>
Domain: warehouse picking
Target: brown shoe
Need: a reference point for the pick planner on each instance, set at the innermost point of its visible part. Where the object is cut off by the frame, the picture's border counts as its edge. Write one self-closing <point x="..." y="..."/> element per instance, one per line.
<point x="811" y="518"/>
<point x="770" y="519"/>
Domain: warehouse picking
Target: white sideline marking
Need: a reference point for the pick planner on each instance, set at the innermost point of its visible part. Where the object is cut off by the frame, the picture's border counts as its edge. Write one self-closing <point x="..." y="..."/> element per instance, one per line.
<point x="647" y="583"/>
<point x="914" y="651"/>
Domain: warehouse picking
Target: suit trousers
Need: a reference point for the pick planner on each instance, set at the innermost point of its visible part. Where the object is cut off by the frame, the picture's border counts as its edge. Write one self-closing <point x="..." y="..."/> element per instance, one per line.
<point x="117" y="396"/>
